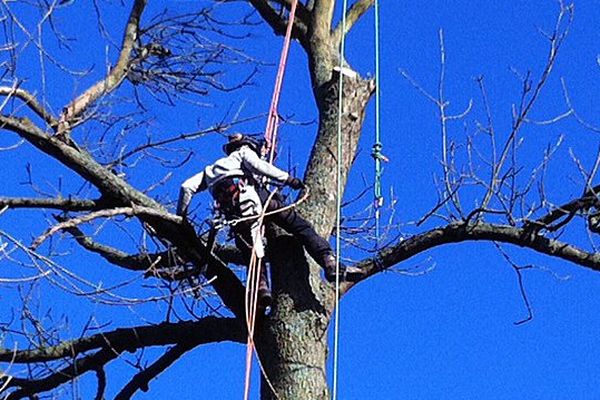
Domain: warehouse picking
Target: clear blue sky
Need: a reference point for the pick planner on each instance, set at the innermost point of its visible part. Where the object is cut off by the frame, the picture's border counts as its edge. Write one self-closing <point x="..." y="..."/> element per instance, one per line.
<point x="450" y="333"/>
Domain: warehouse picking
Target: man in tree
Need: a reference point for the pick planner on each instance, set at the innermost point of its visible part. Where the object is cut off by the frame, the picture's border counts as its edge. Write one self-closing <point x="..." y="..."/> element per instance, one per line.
<point x="235" y="182"/>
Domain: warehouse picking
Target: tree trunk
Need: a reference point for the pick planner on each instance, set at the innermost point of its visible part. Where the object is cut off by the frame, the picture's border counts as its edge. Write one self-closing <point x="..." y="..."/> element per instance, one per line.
<point x="293" y="341"/>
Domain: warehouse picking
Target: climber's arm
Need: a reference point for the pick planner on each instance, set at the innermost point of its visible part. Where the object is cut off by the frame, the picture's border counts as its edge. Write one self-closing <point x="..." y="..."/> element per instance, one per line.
<point x="190" y="187"/>
<point x="254" y="164"/>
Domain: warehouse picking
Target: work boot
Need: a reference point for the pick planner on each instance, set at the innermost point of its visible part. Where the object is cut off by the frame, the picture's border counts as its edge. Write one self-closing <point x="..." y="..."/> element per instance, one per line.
<point x="265" y="299"/>
<point x="348" y="274"/>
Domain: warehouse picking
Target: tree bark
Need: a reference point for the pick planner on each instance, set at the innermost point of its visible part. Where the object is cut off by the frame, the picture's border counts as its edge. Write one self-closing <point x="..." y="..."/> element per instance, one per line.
<point x="293" y="342"/>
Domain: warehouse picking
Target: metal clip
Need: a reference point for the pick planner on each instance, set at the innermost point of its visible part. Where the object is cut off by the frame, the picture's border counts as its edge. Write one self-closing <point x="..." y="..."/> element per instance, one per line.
<point x="376" y="153"/>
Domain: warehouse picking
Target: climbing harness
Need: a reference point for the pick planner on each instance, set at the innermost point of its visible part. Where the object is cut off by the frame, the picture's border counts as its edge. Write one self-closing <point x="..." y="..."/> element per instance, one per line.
<point x="226" y="193"/>
<point x="256" y="263"/>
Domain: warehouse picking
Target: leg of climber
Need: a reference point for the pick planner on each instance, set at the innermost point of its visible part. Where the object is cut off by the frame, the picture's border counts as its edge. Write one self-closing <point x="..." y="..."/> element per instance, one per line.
<point x="243" y="241"/>
<point x="318" y="248"/>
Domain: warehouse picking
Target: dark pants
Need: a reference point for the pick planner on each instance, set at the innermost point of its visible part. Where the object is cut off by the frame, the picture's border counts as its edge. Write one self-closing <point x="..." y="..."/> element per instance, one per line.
<point x="292" y="222"/>
<point x="243" y="241"/>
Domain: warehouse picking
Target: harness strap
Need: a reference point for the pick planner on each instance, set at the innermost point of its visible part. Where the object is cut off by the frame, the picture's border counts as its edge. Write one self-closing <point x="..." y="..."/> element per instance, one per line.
<point x="226" y="193"/>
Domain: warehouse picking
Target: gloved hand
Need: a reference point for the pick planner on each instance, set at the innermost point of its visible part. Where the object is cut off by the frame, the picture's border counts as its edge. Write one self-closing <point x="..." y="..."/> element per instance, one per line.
<point x="294" y="183"/>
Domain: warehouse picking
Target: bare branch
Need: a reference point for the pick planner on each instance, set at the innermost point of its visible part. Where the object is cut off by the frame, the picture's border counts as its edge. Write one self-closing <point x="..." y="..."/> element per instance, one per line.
<point x="556" y="40"/>
<point x="186" y="335"/>
<point x="114" y="78"/>
<point x="134" y="262"/>
<point x="111" y="345"/>
<point x="518" y="270"/>
<point x="228" y="286"/>
<point x="206" y="330"/>
<point x="101" y="375"/>
<point x="128" y="211"/>
<point x="589" y="199"/>
<point x="77" y="160"/>
<point x="145" y="261"/>
<point x="278" y="23"/>
<point x="216" y="128"/>
<point x="442" y="104"/>
<point x="461" y="232"/>
<point x="353" y="15"/>
<point x="28" y="388"/>
<point x="577" y="117"/>
<point x="321" y="17"/>
<point x="30" y="100"/>
<point x="141" y="380"/>
<point x="57" y="203"/>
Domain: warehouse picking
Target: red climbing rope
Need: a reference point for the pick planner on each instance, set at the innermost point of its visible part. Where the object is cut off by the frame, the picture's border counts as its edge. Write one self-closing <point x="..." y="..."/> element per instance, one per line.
<point x="273" y="118"/>
<point x="271" y="143"/>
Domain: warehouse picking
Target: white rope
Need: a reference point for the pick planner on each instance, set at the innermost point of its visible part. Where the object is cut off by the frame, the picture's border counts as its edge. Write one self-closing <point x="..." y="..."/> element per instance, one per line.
<point x="252" y="286"/>
<point x="338" y="216"/>
<point x="233" y="222"/>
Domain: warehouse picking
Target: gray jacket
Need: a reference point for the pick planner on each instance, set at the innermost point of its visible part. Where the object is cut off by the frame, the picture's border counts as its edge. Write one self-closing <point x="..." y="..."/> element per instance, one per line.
<point x="242" y="162"/>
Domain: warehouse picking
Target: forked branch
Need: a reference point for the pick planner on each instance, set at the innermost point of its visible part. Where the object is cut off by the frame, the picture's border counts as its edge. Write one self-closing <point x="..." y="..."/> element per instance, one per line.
<point x="30" y="101"/>
<point x="461" y="232"/>
<point x="353" y="15"/>
<point x="113" y="212"/>
<point x="278" y="24"/>
<point x="114" y="78"/>
<point x="141" y="380"/>
<point x="108" y="346"/>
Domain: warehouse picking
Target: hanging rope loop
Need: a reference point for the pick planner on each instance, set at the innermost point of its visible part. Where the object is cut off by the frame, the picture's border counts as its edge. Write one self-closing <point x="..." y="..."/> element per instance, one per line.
<point x="376" y="152"/>
<point x="254" y="269"/>
<point x="377" y="186"/>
